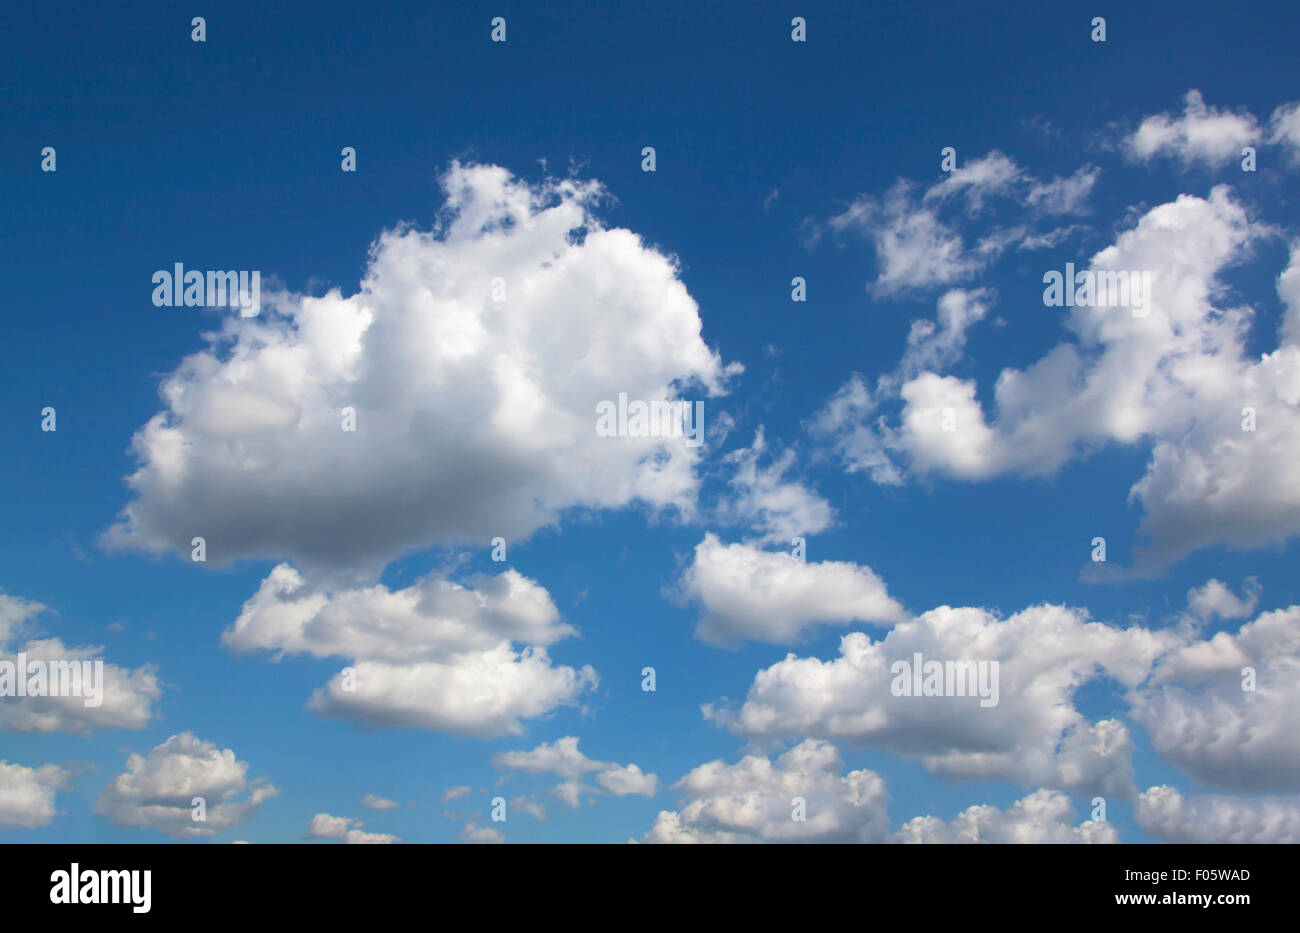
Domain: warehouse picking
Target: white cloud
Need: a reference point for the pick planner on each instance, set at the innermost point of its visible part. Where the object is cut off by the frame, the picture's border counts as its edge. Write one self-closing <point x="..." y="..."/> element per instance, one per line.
<point x="347" y="830"/>
<point x="474" y="417"/>
<point x="483" y="694"/>
<point x="375" y="802"/>
<point x="433" y="618"/>
<point x="914" y="248"/>
<point x="455" y="793"/>
<point x="1179" y="378"/>
<point x="128" y="695"/>
<point x="1044" y="817"/>
<point x="1198" y="715"/>
<point x="624" y="780"/>
<point x="1202" y="134"/>
<point x="1284" y="129"/>
<point x="994" y="174"/>
<point x="932" y="346"/>
<point x="480" y="834"/>
<point x="27" y="794"/>
<point x="530" y="806"/>
<point x="748" y="594"/>
<point x="1214" y="818"/>
<point x="435" y="655"/>
<point x="754" y="801"/>
<point x="157" y="792"/>
<point x="1067" y="195"/>
<point x="777" y="508"/>
<point x="562" y="758"/>
<point x="917" y="241"/>
<point x="1215" y="599"/>
<point x="1288" y="289"/>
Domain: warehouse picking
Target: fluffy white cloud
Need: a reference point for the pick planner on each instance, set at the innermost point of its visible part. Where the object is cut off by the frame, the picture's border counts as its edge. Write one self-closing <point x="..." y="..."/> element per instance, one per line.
<point x="482" y="694"/>
<point x="754" y="801"/>
<point x="347" y="830"/>
<point x="27" y="794"/>
<point x="1045" y="816"/>
<point x="431" y="619"/>
<point x="127" y="695"/>
<point x="1202" y="134"/>
<point x="435" y="655"/>
<point x="1199" y="714"/>
<point x="748" y="594"/>
<point x="1033" y="735"/>
<point x="623" y="780"/>
<point x="1179" y="378"/>
<point x="474" y="417"/>
<point x="1215" y="818"/>
<point x="157" y="792"/>
<point x="562" y="758"/>
<point x="1224" y="709"/>
<point x="1216" y="599"/>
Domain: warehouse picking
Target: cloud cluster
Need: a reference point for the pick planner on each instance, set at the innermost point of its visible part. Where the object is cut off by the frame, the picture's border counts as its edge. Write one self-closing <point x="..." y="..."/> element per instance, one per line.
<point x="435" y="655"/>
<point x="1214" y="818"/>
<point x="1033" y="736"/>
<point x="1044" y="817"/>
<point x="919" y="247"/>
<point x="1223" y="423"/>
<point x="1225" y="709"/>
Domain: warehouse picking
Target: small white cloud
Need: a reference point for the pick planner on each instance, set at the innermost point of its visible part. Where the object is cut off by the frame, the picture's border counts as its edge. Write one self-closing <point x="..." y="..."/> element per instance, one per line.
<point x="748" y="594"/>
<point x="27" y="794"/>
<point x="157" y="792"/>
<point x="346" y="830"/>
<point x="1202" y="134"/>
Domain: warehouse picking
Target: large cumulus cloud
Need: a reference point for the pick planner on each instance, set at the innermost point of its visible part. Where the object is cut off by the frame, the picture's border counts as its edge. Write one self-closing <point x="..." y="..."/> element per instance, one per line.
<point x="473" y="355"/>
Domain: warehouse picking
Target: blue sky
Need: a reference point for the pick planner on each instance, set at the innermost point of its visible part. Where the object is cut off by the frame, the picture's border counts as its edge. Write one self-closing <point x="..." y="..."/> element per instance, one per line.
<point x="774" y="159"/>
